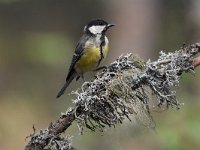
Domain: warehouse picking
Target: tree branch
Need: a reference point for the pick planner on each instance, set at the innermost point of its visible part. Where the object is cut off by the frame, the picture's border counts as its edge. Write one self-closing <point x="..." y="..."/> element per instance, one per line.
<point x="122" y="90"/>
<point x="196" y="61"/>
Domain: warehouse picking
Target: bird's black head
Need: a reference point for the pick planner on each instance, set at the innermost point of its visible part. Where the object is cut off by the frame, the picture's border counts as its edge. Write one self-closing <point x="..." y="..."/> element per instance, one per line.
<point x="97" y="26"/>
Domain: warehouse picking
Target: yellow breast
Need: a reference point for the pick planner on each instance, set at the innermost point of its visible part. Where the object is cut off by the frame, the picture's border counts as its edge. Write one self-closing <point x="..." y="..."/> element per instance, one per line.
<point x="90" y="58"/>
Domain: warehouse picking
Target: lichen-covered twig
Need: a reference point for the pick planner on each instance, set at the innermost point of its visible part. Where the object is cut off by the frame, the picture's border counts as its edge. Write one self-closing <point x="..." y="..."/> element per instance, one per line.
<point x="127" y="88"/>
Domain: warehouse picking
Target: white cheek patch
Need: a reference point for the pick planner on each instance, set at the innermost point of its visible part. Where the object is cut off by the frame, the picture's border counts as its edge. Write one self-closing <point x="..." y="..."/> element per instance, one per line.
<point x="96" y="29"/>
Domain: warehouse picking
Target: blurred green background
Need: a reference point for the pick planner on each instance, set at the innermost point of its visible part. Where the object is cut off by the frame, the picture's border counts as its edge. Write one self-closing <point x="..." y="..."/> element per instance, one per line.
<point x="37" y="40"/>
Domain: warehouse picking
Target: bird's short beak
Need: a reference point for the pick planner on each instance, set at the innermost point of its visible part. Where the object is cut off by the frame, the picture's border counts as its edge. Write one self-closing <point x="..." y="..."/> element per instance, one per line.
<point x="110" y="25"/>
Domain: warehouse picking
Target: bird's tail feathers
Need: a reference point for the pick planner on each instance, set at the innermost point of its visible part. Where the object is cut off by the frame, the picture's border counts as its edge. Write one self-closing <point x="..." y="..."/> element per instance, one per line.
<point x="68" y="81"/>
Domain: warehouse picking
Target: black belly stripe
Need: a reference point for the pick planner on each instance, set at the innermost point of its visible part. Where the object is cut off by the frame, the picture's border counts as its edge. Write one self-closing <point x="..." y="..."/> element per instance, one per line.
<point x="102" y="39"/>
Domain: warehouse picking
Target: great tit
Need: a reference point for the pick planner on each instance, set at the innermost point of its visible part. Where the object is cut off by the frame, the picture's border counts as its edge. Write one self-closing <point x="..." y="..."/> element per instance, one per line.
<point x="90" y="51"/>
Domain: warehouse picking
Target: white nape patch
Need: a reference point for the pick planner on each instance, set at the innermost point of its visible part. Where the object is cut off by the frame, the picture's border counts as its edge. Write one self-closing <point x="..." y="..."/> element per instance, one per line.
<point x="85" y="28"/>
<point x="96" y="29"/>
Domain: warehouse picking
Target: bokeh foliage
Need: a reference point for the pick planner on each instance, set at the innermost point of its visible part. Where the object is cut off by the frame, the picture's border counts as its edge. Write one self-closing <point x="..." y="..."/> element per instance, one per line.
<point x="37" y="39"/>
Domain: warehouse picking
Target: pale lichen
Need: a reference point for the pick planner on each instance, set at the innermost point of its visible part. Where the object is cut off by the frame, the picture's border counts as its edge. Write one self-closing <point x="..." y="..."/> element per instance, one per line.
<point x="130" y="88"/>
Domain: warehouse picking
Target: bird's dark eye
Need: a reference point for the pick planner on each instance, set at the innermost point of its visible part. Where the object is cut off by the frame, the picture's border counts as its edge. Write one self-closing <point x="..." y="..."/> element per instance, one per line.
<point x="101" y="23"/>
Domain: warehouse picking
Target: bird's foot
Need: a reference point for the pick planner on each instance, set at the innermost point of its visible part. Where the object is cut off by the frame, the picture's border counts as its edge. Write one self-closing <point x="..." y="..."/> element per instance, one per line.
<point x="100" y="68"/>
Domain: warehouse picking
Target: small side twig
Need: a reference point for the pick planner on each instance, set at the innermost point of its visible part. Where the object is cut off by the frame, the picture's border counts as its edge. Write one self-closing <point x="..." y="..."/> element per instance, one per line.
<point x="50" y="136"/>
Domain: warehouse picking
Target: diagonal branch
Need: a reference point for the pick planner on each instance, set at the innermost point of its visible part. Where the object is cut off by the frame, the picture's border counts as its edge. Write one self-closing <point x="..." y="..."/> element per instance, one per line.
<point x="196" y="61"/>
<point x="123" y="90"/>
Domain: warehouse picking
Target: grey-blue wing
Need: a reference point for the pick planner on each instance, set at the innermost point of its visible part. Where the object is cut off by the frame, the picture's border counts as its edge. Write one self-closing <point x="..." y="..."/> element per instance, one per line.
<point x="72" y="72"/>
<point x="78" y="53"/>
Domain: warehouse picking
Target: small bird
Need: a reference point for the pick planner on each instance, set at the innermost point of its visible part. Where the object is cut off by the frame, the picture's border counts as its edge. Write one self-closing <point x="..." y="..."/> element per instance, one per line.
<point x="90" y="51"/>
